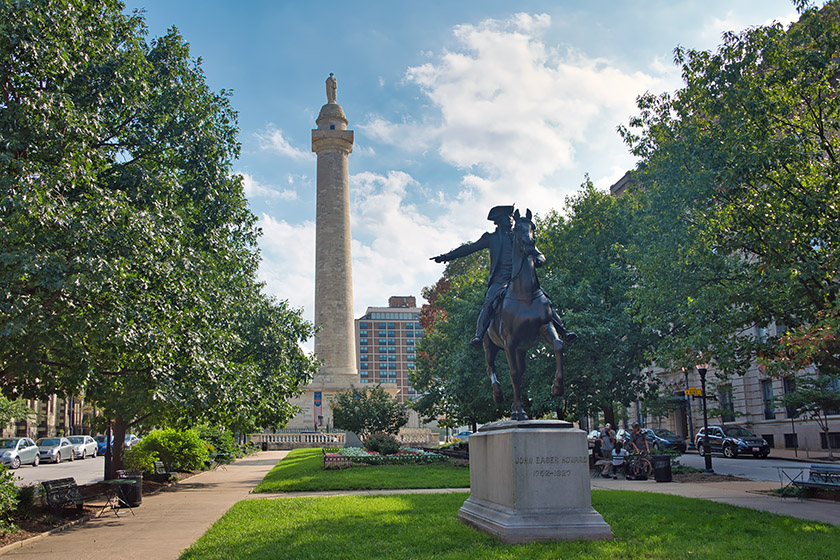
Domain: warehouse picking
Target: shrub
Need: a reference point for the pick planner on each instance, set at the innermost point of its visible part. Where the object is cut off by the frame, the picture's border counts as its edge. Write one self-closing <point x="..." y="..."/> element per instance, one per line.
<point x="8" y="500"/>
<point x="220" y="441"/>
<point x="26" y="499"/>
<point x="180" y="450"/>
<point x="140" y="458"/>
<point x="382" y="443"/>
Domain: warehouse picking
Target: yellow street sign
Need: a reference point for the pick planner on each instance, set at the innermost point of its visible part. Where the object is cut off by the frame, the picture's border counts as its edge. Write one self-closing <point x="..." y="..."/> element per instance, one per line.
<point x="694" y="391"/>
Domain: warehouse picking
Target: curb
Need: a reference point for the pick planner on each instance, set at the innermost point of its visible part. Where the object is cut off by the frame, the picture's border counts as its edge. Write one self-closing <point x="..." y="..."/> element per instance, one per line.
<point x="19" y="544"/>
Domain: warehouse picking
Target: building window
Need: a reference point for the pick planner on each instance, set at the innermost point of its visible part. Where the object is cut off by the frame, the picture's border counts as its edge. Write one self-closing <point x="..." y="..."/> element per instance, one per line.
<point x="364" y="365"/>
<point x="363" y="357"/>
<point x="363" y="341"/>
<point x="791" y="441"/>
<point x="364" y="381"/>
<point x="363" y="325"/>
<point x="833" y="437"/>
<point x="364" y="373"/>
<point x="767" y="395"/>
<point x="363" y="349"/>
<point x="727" y="406"/>
<point x="789" y="386"/>
<point x="363" y="332"/>
<point x="392" y="325"/>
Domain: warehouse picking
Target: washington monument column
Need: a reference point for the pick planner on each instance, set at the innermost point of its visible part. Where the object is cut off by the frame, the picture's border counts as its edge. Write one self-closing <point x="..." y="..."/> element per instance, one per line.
<point x="335" y="342"/>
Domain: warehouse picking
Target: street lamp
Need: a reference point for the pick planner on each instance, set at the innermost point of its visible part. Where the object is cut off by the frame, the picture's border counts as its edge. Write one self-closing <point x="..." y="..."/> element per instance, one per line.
<point x="707" y="448"/>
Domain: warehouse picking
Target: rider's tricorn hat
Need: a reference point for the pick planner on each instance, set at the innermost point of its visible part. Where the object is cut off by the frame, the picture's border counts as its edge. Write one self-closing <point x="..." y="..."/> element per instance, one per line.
<point x="500" y="212"/>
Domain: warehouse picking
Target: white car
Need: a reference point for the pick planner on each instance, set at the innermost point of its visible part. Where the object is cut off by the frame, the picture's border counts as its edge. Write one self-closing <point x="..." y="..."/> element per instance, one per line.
<point x="83" y="446"/>
<point x="16" y="451"/>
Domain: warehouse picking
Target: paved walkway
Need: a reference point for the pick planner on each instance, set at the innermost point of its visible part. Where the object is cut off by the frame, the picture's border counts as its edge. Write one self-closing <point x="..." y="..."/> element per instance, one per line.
<point x="167" y="523"/>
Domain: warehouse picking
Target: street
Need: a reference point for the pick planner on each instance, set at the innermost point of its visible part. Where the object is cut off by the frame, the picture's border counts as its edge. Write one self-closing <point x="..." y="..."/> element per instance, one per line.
<point x="85" y="472"/>
<point x="748" y="467"/>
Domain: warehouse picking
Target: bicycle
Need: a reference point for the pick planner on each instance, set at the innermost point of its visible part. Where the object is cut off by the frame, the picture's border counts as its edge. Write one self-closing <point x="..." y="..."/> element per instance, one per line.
<point x="639" y="464"/>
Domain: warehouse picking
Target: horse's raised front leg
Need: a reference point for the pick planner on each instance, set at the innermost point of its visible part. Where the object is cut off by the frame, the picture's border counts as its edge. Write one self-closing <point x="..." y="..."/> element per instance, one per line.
<point x="516" y="362"/>
<point x="549" y="335"/>
<point x="490" y="352"/>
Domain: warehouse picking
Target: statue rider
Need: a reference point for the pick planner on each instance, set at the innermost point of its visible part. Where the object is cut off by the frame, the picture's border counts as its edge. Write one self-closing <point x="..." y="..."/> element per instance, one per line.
<point x="500" y="244"/>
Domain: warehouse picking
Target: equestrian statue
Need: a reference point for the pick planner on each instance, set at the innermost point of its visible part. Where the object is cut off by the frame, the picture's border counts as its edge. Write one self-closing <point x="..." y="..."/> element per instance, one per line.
<point x="516" y="313"/>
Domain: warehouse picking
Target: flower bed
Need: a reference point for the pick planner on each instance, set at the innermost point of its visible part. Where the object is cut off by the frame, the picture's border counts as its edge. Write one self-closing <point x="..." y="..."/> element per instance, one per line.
<point x="357" y="456"/>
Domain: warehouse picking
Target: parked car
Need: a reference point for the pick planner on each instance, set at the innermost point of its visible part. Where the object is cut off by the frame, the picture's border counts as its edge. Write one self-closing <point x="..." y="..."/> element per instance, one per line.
<point x="131" y="440"/>
<point x="102" y="444"/>
<point x="15" y="452"/>
<point x="733" y="440"/>
<point x="55" y="449"/>
<point x="83" y="446"/>
<point x="463" y="436"/>
<point x="661" y="439"/>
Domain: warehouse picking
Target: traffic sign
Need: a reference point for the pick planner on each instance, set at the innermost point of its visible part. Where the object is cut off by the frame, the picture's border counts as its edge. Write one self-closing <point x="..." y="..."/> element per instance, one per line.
<point x="694" y="391"/>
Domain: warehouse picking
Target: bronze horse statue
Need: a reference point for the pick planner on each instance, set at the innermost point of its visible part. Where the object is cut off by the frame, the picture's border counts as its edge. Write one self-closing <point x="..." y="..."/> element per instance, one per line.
<point x="523" y="318"/>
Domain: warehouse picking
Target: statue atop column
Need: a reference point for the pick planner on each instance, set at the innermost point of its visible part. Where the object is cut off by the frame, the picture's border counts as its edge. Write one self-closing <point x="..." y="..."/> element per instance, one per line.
<point x="332" y="85"/>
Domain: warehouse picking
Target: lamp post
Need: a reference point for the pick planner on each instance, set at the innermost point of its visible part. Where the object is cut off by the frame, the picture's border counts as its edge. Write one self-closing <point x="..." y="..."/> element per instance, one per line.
<point x="707" y="448"/>
<point x="688" y="409"/>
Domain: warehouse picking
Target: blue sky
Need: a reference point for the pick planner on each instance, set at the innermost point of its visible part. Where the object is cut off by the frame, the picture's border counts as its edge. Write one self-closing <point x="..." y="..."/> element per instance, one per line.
<point x="457" y="106"/>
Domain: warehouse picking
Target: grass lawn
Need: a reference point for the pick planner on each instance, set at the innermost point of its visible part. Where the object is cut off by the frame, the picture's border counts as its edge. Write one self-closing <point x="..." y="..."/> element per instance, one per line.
<point x="302" y="470"/>
<point x="646" y="526"/>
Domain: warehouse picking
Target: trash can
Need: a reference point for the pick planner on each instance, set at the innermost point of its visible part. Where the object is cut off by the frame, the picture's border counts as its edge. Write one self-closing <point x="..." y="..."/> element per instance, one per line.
<point x="132" y="494"/>
<point x="265" y="446"/>
<point x="661" y="468"/>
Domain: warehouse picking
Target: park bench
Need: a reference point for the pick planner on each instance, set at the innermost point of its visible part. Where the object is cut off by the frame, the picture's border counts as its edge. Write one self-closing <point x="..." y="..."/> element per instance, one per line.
<point x="825" y="477"/>
<point x="63" y="491"/>
<point x="162" y="474"/>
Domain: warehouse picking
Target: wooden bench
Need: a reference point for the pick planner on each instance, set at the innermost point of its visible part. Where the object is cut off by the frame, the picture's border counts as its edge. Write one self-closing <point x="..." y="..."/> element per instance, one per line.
<point x="825" y="477"/>
<point x="63" y="491"/>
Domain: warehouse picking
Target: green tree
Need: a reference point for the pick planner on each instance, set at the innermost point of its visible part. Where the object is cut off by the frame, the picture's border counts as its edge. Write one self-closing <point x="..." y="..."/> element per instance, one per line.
<point x="14" y="410"/>
<point x="738" y="212"/>
<point x="368" y="411"/>
<point x="817" y="397"/>
<point x="128" y="254"/>
<point x="450" y="375"/>
<point x="588" y="278"/>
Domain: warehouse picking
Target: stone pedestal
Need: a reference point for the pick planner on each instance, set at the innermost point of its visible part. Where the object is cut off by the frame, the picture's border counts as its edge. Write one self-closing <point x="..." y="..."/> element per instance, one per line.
<point x="529" y="481"/>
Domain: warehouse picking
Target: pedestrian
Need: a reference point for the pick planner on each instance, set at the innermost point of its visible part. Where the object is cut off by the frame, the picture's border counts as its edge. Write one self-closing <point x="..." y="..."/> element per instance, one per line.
<point x="607" y="438"/>
<point x="601" y="459"/>
<point x="619" y="458"/>
<point x="638" y="440"/>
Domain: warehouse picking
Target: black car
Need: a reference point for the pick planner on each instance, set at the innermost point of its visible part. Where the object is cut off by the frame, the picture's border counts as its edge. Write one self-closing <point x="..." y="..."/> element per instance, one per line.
<point x="732" y="441"/>
<point x="661" y="439"/>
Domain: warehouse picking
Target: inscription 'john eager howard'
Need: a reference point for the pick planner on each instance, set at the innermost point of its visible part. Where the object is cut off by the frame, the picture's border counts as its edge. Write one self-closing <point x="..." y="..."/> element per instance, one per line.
<point x="553" y="460"/>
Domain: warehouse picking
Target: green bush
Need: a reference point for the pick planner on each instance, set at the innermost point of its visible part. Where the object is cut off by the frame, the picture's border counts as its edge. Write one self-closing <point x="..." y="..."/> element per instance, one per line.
<point x="220" y="441"/>
<point x="180" y="450"/>
<point x="382" y="443"/>
<point x="8" y="500"/>
<point x="140" y="458"/>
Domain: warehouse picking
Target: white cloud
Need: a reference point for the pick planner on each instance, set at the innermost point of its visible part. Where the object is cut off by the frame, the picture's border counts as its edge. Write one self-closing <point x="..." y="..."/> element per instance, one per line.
<point x="515" y="113"/>
<point x="272" y="139"/>
<point x="288" y="264"/>
<point x="254" y="190"/>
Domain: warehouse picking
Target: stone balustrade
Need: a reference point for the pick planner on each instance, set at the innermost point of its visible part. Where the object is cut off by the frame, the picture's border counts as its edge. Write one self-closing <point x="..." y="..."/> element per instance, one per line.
<point x="412" y="437"/>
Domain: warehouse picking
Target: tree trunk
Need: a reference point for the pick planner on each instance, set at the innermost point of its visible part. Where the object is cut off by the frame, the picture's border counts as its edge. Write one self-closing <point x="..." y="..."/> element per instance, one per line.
<point x="609" y="417"/>
<point x="118" y="449"/>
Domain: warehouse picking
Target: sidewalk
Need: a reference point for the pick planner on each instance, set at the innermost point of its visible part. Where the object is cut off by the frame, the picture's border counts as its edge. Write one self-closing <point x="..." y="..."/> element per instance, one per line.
<point x="751" y="494"/>
<point x="165" y="524"/>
